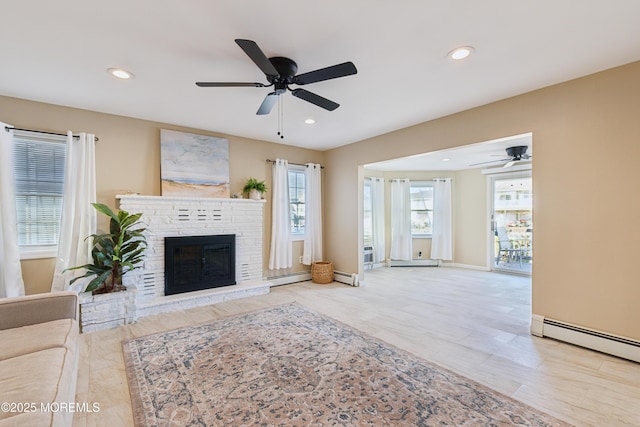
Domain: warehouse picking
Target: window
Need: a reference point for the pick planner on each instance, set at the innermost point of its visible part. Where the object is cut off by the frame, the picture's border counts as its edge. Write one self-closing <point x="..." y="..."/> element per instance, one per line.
<point x="39" y="163"/>
<point x="421" y="209"/>
<point x="296" y="200"/>
<point x="368" y="214"/>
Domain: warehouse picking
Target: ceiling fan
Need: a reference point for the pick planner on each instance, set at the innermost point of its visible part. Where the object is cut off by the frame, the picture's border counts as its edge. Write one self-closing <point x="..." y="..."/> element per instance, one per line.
<point x="281" y="72"/>
<point x="515" y="154"/>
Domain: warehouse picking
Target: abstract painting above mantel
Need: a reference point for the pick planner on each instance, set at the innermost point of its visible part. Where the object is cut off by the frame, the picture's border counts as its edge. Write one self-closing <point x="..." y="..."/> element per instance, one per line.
<point x="193" y="165"/>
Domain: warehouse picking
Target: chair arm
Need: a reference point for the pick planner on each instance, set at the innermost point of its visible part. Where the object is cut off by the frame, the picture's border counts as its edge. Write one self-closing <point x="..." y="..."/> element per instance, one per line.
<point x="39" y="308"/>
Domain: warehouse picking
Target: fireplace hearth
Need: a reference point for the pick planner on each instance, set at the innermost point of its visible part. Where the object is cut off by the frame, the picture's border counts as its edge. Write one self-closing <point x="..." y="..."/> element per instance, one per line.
<point x="194" y="263"/>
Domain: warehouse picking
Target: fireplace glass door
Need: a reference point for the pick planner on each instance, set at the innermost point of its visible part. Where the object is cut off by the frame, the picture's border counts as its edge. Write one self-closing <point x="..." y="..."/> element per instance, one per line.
<point x="199" y="262"/>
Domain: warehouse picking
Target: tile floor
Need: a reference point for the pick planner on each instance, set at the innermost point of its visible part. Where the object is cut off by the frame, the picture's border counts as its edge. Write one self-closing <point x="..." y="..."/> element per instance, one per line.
<point x="475" y="323"/>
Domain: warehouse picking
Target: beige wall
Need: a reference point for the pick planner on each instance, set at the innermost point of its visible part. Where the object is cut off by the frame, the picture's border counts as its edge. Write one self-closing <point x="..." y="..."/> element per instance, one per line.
<point x="470" y="218"/>
<point x="128" y="159"/>
<point x="585" y="179"/>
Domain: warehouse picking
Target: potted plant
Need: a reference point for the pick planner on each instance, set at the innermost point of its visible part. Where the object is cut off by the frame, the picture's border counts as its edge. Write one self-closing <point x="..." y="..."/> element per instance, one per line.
<point x="254" y="188"/>
<point x="114" y="253"/>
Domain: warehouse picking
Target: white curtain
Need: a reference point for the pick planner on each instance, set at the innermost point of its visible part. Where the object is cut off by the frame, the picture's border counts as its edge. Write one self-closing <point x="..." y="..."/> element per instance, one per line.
<point x="280" y="254"/>
<point x="78" y="216"/>
<point x="377" y="214"/>
<point x="401" y="241"/>
<point x="312" y="250"/>
<point x="441" y="243"/>
<point x="11" y="283"/>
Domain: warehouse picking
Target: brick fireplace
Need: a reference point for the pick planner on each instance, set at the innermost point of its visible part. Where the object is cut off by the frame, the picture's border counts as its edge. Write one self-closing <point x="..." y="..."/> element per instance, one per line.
<point x="182" y="217"/>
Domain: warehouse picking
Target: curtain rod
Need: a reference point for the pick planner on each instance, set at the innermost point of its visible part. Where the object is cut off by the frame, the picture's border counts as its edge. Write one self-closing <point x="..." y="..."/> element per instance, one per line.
<point x="8" y="128"/>
<point x="296" y="164"/>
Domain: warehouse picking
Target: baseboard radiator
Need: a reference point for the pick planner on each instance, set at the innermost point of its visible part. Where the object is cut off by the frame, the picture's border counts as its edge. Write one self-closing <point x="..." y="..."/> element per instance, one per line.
<point x="413" y="263"/>
<point x="303" y="276"/>
<point x="615" y="345"/>
<point x="348" y="278"/>
<point x="286" y="279"/>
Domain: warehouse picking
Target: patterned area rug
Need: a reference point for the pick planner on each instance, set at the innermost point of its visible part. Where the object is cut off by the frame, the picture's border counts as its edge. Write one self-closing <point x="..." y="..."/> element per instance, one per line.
<point x="288" y="366"/>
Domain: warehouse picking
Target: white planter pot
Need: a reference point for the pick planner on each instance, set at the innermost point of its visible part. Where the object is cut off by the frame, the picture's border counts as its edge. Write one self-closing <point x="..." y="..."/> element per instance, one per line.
<point x="255" y="194"/>
<point x="104" y="311"/>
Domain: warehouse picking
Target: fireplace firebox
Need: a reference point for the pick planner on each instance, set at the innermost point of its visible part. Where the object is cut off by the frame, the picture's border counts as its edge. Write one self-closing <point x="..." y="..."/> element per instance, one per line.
<point x="194" y="263"/>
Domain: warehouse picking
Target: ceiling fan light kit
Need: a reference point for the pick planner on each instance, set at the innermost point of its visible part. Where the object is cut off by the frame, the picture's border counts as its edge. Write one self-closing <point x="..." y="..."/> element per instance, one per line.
<point x="518" y="153"/>
<point x="281" y="73"/>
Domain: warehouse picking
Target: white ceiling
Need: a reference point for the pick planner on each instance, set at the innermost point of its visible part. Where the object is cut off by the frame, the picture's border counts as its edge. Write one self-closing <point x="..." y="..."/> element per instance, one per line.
<point x="58" y="52"/>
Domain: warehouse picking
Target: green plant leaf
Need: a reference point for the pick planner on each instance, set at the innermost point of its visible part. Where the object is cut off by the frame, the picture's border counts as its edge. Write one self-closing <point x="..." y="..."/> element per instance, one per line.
<point x="95" y="283"/>
<point x="105" y="210"/>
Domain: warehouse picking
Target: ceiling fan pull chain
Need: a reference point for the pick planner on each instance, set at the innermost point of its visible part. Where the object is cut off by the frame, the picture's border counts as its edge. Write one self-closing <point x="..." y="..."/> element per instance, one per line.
<point x="280" y="117"/>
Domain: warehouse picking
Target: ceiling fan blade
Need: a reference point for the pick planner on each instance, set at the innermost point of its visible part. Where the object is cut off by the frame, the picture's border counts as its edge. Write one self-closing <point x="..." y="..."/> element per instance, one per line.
<point x="229" y="84"/>
<point x="509" y="164"/>
<point x="328" y="73"/>
<point x="492" y="161"/>
<point x="258" y="57"/>
<point x="267" y="104"/>
<point x="315" y="99"/>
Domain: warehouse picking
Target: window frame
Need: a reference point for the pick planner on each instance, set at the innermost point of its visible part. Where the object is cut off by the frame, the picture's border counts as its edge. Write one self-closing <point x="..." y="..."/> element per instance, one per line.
<point x="295" y="236"/>
<point x="367" y="207"/>
<point x="423" y="184"/>
<point x="39" y="251"/>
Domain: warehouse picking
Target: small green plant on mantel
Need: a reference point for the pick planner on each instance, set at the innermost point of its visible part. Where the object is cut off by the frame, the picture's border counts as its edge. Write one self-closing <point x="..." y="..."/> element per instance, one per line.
<point x="254" y="184"/>
<point x="114" y="253"/>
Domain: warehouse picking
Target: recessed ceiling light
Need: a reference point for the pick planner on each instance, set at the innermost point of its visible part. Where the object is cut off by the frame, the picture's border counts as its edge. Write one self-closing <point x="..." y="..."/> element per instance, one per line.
<point x="120" y="73"/>
<point x="461" y="52"/>
<point x="309" y="121"/>
<point x="446" y="159"/>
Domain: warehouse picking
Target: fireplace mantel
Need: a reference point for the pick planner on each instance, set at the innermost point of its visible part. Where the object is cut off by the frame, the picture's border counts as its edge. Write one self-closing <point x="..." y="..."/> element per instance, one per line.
<point x="183" y="200"/>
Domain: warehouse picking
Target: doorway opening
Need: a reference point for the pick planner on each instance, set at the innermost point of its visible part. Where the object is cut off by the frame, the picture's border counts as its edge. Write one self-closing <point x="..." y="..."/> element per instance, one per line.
<point x="468" y="167"/>
<point x="511" y="222"/>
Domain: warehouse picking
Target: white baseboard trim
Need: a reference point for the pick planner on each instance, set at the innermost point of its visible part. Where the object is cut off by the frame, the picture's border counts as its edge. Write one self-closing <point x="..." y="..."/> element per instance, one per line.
<point x="537" y="325"/>
<point x="604" y="342"/>
<point x="371" y="266"/>
<point x="413" y="263"/>
<point x="467" y="266"/>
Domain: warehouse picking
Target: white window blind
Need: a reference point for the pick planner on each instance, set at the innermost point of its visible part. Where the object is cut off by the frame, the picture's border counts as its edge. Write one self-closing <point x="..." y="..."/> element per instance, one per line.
<point x="39" y="162"/>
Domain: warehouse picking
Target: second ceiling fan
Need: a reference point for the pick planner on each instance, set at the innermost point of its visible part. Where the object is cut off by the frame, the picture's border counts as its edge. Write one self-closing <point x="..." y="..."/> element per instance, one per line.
<point x="281" y="72"/>
<point x="515" y="154"/>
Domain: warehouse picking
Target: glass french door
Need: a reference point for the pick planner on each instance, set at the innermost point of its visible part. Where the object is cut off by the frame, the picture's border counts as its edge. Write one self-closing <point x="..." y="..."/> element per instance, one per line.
<point x="512" y="222"/>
